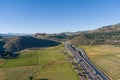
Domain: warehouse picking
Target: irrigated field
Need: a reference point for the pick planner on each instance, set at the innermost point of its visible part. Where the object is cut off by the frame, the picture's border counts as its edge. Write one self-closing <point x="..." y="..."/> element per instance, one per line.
<point x="44" y="64"/>
<point x="106" y="57"/>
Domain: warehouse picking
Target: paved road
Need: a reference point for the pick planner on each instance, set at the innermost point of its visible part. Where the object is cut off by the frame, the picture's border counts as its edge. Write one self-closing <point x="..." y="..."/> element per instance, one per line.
<point x="92" y="72"/>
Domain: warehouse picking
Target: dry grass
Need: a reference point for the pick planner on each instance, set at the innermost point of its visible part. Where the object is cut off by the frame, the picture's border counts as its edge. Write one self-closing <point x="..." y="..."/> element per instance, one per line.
<point x="16" y="73"/>
<point x="106" y="57"/>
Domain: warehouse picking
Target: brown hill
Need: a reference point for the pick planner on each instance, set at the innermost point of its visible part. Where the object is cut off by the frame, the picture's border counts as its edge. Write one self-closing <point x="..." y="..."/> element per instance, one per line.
<point x="110" y="28"/>
<point x="55" y="37"/>
<point x="104" y="35"/>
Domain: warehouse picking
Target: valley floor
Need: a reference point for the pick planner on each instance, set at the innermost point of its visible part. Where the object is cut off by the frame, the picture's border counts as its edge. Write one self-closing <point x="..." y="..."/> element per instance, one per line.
<point x="43" y="64"/>
<point x="106" y="57"/>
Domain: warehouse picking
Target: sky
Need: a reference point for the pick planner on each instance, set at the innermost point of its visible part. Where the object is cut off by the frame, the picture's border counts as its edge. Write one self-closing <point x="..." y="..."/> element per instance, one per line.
<point x="56" y="16"/>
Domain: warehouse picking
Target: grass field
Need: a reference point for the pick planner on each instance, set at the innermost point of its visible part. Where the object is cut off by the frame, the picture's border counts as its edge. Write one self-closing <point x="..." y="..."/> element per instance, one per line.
<point x="106" y="57"/>
<point x="44" y="64"/>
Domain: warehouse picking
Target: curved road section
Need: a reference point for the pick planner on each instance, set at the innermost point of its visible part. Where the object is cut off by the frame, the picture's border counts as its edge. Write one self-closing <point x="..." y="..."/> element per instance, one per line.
<point x="91" y="71"/>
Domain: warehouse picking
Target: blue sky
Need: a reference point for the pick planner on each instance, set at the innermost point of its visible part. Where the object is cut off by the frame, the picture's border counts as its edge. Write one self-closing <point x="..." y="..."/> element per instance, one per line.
<point x="55" y="16"/>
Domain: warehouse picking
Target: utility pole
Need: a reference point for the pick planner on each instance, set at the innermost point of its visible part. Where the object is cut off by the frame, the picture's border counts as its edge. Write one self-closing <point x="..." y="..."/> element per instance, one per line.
<point x="37" y="57"/>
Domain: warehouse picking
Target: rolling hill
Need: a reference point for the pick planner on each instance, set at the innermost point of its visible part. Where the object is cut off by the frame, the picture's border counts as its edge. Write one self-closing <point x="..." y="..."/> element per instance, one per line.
<point x="22" y="42"/>
<point x="103" y="35"/>
<point x="110" y="28"/>
<point x="55" y="37"/>
<point x="17" y="43"/>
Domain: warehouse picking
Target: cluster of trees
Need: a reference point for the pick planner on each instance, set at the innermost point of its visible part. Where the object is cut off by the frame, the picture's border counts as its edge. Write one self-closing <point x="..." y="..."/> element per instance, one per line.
<point x="105" y="38"/>
<point x="106" y="35"/>
<point x="55" y="37"/>
<point x="6" y="55"/>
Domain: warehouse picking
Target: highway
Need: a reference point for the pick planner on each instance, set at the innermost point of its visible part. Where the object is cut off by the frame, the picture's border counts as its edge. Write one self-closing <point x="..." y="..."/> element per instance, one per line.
<point x="91" y="71"/>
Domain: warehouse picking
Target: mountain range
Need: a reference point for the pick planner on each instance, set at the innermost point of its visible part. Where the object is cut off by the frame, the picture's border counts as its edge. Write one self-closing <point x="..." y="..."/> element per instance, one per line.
<point x="105" y="35"/>
<point x="14" y="34"/>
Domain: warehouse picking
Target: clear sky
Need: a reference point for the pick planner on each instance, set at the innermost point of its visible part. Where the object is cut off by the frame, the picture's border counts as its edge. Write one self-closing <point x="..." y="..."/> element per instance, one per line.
<point x="55" y="16"/>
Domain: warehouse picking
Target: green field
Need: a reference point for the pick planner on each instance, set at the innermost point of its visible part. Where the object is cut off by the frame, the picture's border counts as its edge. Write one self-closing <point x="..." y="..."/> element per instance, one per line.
<point x="106" y="57"/>
<point x="44" y="64"/>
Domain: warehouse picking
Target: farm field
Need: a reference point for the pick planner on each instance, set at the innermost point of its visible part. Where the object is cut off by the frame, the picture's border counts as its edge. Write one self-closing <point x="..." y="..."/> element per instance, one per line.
<point x="106" y="57"/>
<point x="43" y="64"/>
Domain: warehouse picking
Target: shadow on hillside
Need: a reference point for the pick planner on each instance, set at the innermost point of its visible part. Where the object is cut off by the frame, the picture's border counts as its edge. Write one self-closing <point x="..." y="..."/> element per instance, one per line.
<point x="10" y="55"/>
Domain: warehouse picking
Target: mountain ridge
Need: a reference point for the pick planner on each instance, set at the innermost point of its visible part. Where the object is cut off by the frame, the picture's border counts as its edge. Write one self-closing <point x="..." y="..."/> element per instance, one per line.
<point x="108" y="28"/>
<point x="104" y="35"/>
<point x="17" y="43"/>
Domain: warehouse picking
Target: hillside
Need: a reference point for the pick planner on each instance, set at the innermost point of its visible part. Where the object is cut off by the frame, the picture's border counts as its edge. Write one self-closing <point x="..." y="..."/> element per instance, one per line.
<point x="110" y="28"/>
<point x="21" y="42"/>
<point x="1" y="46"/>
<point x="85" y="39"/>
<point x="55" y="37"/>
<point x="103" y="35"/>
